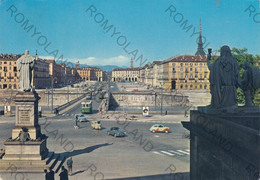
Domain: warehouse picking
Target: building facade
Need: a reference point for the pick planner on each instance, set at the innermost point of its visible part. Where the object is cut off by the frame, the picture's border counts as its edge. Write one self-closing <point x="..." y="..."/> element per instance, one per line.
<point x="9" y="74"/>
<point x="41" y="77"/>
<point x="126" y="74"/>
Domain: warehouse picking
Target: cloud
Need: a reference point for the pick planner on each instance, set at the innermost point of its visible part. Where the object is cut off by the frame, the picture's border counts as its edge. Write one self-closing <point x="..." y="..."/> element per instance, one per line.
<point x="93" y="61"/>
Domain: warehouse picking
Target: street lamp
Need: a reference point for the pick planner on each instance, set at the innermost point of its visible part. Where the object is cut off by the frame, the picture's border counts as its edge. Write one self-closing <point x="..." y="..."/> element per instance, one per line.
<point x="52" y="79"/>
<point x="161" y="97"/>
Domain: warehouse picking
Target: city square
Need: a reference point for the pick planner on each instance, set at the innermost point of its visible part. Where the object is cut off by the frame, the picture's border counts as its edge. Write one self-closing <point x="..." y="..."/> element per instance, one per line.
<point x="129" y="90"/>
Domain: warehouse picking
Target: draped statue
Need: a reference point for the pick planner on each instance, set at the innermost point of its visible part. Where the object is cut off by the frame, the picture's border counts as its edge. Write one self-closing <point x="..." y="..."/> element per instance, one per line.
<point x="25" y="66"/>
<point x="250" y="81"/>
<point x="224" y="79"/>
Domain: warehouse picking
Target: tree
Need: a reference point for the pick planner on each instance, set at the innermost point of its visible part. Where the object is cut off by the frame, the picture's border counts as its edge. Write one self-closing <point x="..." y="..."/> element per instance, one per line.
<point x="242" y="56"/>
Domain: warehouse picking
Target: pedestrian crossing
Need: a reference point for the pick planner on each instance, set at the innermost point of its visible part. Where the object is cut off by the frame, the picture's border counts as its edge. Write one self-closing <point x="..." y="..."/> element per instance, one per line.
<point x="173" y="153"/>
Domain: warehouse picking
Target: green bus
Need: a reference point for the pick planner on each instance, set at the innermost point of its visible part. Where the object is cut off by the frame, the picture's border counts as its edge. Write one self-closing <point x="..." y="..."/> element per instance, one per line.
<point x="86" y="107"/>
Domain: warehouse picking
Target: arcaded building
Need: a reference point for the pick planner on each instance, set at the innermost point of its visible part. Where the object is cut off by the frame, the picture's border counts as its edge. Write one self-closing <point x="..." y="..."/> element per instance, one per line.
<point x="126" y="74"/>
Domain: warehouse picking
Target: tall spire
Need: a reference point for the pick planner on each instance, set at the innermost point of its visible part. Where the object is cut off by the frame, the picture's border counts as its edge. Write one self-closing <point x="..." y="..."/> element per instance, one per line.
<point x="200" y="51"/>
<point x="36" y="55"/>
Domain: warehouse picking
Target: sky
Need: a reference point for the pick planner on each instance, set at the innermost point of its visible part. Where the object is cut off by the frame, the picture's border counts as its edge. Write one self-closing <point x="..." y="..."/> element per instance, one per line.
<point x="111" y="32"/>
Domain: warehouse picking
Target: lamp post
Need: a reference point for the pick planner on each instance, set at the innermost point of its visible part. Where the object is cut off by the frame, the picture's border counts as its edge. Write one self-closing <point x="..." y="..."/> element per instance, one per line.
<point x="52" y="92"/>
<point x="161" y="97"/>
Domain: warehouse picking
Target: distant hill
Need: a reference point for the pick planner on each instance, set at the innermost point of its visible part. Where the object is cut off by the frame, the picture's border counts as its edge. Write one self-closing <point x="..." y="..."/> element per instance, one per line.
<point x="107" y="68"/>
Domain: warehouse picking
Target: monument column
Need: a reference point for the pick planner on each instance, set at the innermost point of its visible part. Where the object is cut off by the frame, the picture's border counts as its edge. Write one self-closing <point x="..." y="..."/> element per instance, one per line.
<point x="27" y="148"/>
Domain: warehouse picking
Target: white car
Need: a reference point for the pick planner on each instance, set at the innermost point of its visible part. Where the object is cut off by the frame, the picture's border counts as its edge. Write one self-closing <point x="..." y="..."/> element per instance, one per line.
<point x="159" y="128"/>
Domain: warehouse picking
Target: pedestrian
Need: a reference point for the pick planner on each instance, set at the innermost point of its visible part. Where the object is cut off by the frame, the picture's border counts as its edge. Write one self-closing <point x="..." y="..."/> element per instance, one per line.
<point x="185" y="113"/>
<point x="51" y="174"/>
<point x="64" y="174"/>
<point x="69" y="164"/>
<point x="47" y="175"/>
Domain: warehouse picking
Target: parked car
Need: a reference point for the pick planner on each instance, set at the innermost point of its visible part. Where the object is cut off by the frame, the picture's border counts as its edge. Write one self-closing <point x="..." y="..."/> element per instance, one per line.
<point x="116" y="131"/>
<point x="96" y="125"/>
<point x="80" y="118"/>
<point x="159" y="128"/>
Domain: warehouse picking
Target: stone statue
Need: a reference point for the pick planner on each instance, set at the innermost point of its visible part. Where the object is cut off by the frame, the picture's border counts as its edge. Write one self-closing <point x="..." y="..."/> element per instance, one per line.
<point x="23" y="135"/>
<point x="25" y="66"/>
<point x="224" y="79"/>
<point x="250" y="80"/>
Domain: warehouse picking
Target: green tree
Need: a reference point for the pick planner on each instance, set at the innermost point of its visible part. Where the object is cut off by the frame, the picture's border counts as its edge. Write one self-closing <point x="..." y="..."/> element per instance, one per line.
<point x="242" y="56"/>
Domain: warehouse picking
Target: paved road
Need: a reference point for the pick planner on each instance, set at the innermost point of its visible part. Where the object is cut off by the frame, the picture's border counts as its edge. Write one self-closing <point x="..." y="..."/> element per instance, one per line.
<point x="140" y="153"/>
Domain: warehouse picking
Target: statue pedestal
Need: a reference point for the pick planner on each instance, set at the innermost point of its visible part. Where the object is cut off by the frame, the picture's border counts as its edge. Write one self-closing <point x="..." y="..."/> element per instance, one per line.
<point x="26" y="154"/>
<point x="29" y="150"/>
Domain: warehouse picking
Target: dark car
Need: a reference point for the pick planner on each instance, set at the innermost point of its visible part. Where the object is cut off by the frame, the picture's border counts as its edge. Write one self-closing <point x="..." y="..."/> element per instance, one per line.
<point x="116" y="131"/>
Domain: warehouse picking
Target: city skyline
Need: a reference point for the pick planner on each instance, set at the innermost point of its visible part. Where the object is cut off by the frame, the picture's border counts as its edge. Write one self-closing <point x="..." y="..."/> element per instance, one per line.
<point x="156" y="31"/>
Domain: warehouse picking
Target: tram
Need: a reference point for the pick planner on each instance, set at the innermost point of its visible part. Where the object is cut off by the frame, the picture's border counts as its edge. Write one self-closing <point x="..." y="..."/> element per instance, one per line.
<point x="86" y="107"/>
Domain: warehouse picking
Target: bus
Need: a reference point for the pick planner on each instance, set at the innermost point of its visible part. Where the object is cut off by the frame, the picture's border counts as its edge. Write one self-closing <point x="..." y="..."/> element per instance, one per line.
<point x="86" y="107"/>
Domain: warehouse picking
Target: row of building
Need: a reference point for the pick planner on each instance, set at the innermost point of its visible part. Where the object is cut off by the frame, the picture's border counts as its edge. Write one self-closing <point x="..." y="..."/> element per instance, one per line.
<point x="188" y="72"/>
<point x="45" y="73"/>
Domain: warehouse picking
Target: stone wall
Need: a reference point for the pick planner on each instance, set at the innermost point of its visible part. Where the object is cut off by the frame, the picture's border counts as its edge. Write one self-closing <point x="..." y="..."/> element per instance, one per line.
<point x="146" y="99"/>
<point x="225" y="146"/>
<point x="59" y="97"/>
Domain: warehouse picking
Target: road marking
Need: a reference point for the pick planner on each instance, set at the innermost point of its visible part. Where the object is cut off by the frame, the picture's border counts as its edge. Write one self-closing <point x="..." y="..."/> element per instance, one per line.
<point x="165" y="152"/>
<point x="187" y="150"/>
<point x="176" y="152"/>
<point x="156" y="136"/>
<point x="183" y="152"/>
<point x="155" y="152"/>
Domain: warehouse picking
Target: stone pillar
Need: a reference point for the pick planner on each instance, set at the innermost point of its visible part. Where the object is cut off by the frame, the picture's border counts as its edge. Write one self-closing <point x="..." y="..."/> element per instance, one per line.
<point x="27" y="114"/>
<point x="26" y="154"/>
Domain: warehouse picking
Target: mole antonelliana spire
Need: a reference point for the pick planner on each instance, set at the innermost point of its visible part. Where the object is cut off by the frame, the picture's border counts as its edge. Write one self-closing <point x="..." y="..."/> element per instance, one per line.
<point x="200" y="51"/>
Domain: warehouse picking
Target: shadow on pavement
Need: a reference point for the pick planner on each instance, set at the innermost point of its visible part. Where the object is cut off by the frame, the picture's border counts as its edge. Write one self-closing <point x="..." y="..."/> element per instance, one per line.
<point x="85" y="150"/>
<point x="172" y="176"/>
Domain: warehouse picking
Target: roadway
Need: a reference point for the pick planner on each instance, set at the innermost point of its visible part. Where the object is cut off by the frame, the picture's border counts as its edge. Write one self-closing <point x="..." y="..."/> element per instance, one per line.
<point x="140" y="153"/>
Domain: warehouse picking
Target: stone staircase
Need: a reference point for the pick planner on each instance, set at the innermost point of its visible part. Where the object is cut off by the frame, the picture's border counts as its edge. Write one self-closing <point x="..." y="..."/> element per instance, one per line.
<point x="52" y="161"/>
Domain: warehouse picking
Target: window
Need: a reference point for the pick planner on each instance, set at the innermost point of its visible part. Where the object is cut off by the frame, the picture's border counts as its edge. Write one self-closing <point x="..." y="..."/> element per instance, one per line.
<point x="200" y="64"/>
<point x="191" y="64"/>
<point x="15" y="69"/>
<point x="5" y="69"/>
<point x="10" y="63"/>
<point x="186" y="86"/>
<point x="14" y="86"/>
<point x="5" y="62"/>
<point x="186" y="75"/>
<point x="205" y="87"/>
<point x="200" y="86"/>
<point x="191" y="86"/>
<point x="181" y="86"/>
<point x="173" y="69"/>
<point x="181" y="64"/>
<point x="10" y="86"/>
<point x="191" y="76"/>
<point x="181" y="69"/>
<point x="196" y="76"/>
<point x="191" y="69"/>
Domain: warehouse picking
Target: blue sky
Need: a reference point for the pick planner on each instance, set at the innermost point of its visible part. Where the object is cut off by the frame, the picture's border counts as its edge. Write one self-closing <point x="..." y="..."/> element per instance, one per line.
<point x="152" y="34"/>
